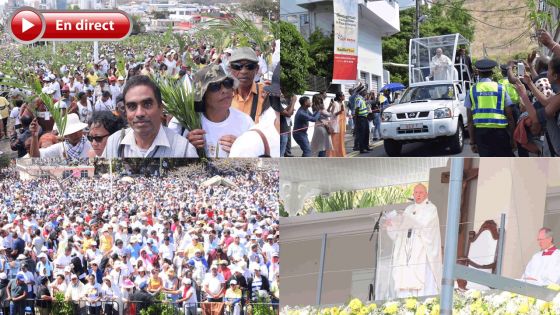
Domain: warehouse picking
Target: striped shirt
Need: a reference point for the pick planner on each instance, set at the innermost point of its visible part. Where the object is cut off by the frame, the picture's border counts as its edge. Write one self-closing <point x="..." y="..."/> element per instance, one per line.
<point x="166" y="144"/>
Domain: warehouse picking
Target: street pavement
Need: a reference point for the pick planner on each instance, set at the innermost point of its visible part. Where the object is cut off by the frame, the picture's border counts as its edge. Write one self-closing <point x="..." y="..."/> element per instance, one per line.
<point x="411" y="149"/>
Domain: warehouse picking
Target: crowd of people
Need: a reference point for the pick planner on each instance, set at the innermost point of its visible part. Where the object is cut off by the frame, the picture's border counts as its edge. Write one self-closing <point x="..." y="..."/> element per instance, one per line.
<point x="361" y="114"/>
<point x="111" y="247"/>
<point x="235" y="95"/>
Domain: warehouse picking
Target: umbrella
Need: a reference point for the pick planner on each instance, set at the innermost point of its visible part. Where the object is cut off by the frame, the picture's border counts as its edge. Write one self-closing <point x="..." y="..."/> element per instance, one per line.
<point x="392" y="87"/>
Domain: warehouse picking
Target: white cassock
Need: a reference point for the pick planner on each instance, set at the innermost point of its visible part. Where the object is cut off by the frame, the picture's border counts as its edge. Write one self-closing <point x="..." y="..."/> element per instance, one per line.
<point x="545" y="267"/>
<point x="417" y="264"/>
<point x="441" y="68"/>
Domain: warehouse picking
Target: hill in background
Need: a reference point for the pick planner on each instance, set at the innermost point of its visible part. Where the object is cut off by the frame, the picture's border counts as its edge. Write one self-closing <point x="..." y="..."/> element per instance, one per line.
<point x="501" y="27"/>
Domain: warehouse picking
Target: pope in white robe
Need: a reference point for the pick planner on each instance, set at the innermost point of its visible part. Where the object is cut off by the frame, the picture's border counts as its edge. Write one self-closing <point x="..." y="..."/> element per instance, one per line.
<point x="544" y="266"/>
<point x="441" y="66"/>
<point x="417" y="262"/>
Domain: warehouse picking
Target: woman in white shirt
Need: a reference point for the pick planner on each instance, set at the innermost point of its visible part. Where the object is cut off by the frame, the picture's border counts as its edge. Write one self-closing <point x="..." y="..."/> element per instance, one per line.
<point x="91" y="293"/>
<point x="188" y="297"/>
<point x="221" y="123"/>
<point x="110" y="296"/>
<point x="84" y="107"/>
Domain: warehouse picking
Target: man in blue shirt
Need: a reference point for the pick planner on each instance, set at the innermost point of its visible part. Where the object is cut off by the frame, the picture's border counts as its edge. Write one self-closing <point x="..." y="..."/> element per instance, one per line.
<point x="301" y="123"/>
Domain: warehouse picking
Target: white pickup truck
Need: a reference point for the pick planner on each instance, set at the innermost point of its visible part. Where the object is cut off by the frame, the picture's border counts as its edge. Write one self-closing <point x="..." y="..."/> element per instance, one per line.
<point x="427" y="111"/>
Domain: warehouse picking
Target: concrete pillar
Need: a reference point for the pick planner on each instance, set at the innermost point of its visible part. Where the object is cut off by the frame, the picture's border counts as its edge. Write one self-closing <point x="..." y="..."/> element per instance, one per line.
<point x="516" y="187"/>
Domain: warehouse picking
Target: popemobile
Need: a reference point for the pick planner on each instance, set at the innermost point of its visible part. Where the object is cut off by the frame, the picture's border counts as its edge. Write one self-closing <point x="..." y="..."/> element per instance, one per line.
<point x="431" y="108"/>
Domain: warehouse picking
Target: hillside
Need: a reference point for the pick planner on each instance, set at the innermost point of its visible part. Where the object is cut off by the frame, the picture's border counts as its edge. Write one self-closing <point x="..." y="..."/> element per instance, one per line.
<point x="506" y="26"/>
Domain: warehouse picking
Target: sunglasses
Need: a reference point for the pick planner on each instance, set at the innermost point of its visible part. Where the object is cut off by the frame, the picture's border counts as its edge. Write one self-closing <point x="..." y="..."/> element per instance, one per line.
<point x="216" y="86"/>
<point x="238" y="66"/>
<point x="97" y="138"/>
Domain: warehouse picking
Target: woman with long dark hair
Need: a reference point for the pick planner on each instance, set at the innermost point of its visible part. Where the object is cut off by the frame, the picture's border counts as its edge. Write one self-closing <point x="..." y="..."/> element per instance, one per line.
<point x="336" y="108"/>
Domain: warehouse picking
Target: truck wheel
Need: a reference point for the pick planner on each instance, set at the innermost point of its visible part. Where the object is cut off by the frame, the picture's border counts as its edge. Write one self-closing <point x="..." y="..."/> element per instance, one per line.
<point x="392" y="147"/>
<point x="457" y="140"/>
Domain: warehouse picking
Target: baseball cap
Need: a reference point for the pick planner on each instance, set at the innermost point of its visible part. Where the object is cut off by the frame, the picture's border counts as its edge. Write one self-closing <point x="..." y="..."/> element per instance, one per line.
<point x="243" y="53"/>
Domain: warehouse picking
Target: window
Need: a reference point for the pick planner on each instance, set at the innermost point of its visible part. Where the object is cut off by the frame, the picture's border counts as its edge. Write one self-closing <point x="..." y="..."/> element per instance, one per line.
<point x="66" y="173"/>
<point x="364" y="77"/>
<point x="303" y="20"/>
<point x="374" y="83"/>
<point x="84" y="174"/>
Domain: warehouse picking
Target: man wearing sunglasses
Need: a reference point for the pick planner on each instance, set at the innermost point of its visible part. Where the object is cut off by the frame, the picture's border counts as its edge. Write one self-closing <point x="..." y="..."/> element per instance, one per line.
<point x="248" y="97"/>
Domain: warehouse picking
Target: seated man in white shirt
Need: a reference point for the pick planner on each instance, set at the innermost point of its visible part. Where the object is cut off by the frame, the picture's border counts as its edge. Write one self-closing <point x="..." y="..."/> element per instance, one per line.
<point x="146" y="137"/>
<point x="75" y="145"/>
<point x="543" y="268"/>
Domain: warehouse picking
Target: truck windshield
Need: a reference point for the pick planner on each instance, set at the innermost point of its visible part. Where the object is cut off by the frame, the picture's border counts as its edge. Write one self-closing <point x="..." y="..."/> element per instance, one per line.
<point x="430" y="92"/>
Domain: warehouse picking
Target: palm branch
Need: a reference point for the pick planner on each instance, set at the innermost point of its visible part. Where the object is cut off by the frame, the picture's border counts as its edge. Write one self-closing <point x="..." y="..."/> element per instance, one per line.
<point x="178" y="100"/>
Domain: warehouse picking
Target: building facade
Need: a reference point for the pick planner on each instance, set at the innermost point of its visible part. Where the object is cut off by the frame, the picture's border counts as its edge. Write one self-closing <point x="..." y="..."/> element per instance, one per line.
<point x="377" y="19"/>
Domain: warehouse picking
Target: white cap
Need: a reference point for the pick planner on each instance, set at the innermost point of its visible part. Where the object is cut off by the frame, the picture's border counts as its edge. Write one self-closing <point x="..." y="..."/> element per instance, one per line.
<point x="187" y="281"/>
<point x="3" y="276"/>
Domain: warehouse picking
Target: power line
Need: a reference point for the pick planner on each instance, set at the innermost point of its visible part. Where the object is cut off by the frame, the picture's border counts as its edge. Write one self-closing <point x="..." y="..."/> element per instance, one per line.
<point x="481" y="11"/>
<point x="494" y="26"/>
<point x="511" y="41"/>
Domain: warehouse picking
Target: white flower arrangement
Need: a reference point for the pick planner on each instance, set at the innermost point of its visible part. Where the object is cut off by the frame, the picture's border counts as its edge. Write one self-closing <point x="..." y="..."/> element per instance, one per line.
<point x="470" y="302"/>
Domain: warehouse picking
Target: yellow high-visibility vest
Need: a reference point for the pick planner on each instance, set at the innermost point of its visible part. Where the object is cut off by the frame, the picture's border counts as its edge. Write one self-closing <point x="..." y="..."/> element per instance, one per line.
<point x="488" y="105"/>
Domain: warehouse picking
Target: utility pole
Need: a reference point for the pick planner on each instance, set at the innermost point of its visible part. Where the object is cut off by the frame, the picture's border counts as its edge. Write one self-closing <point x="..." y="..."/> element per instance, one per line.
<point x="417" y="20"/>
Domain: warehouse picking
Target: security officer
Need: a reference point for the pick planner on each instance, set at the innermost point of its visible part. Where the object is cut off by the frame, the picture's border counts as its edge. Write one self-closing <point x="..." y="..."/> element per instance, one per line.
<point x="490" y="114"/>
<point x="362" y="125"/>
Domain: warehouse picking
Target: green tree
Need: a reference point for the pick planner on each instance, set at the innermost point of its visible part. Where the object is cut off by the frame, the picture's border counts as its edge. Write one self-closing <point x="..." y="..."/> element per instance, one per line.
<point x="295" y="60"/>
<point x="446" y="18"/>
<point x="321" y="51"/>
<point x="137" y="25"/>
<point x="267" y="9"/>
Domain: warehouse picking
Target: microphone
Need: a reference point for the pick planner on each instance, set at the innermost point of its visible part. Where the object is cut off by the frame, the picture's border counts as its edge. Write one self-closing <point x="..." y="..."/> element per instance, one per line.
<point x="409" y="233"/>
<point x="376" y="227"/>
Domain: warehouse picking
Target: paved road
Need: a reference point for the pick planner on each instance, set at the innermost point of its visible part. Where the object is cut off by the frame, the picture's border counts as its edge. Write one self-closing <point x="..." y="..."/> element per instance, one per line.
<point x="412" y="149"/>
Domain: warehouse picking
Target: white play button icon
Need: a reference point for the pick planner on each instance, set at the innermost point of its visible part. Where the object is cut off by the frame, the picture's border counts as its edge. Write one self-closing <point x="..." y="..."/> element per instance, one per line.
<point x="26" y="25"/>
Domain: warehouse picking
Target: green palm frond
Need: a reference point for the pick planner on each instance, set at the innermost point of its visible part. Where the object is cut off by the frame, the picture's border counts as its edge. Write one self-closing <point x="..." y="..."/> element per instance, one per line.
<point x="57" y="114"/>
<point x="178" y="100"/>
<point x="121" y="68"/>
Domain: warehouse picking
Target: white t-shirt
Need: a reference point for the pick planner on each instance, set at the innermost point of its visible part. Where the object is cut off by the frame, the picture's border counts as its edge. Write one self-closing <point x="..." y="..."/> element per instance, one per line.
<point x="214" y="283"/>
<point x="115" y="92"/>
<point x="76" y="88"/>
<point x="191" y="301"/>
<point x="171" y="66"/>
<point x="84" y="112"/>
<point x="107" y="105"/>
<point x="235" y="124"/>
<point x="15" y="115"/>
<point x="56" y="88"/>
<point x="250" y="143"/>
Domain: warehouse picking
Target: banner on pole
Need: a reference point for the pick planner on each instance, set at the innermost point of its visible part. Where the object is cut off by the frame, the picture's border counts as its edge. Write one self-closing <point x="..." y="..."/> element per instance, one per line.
<point x="345" y="68"/>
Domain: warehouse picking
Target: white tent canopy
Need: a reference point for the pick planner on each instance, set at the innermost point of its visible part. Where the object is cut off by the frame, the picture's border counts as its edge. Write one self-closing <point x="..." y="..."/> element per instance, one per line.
<point x="337" y="174"/>
<point x="218" y="180"/>
<point x="305" y="178"/>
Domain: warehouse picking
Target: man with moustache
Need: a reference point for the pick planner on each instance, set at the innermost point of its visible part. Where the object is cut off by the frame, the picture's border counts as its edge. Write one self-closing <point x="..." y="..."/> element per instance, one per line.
<point x="248" y="96"/>
<point x="146" y="137"/>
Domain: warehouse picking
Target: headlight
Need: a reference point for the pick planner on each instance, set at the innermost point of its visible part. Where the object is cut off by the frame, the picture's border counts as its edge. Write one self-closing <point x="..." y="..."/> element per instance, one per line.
<point x="442" y="113"/>
<point x="386" y="116"/>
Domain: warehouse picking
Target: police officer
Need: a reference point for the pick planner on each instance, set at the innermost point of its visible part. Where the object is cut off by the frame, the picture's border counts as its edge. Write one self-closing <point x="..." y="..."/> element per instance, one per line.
<point x="490" y="114"/>
<point x="362" y="125"/>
